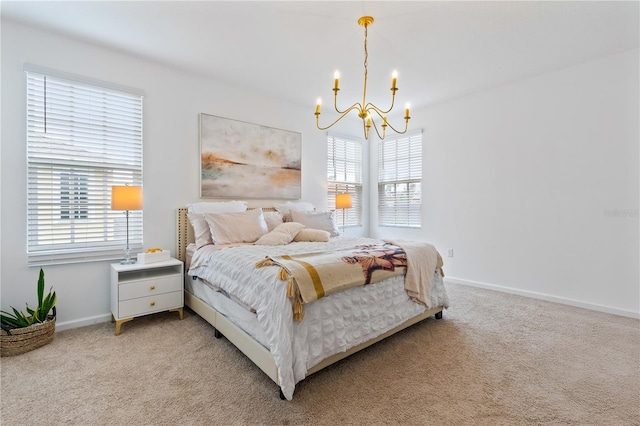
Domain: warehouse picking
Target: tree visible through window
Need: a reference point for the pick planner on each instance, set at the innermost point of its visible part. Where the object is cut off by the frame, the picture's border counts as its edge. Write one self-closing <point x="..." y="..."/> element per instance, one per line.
<point x="82" y="139"/>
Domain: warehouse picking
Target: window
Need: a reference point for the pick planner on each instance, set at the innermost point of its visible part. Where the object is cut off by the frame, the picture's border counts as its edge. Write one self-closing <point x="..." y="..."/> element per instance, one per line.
<point x="344" y="174"/>
<point x="400" y="181"/>
<point x="82" y="139"/>
<point x="73" y="198"/>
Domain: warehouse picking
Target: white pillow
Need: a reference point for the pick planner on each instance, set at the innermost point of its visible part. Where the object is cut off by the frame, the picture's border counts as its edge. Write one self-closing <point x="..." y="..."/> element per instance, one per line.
<point x="239" y="227"/>
<point x="281" y="235"/>
<point x="200" y="229"/>
<point x="273" y="219"/>
<point x="218" y="207"/>
<point x="312" y="235"/>
<point x="195" y="213"/>
<point x="323" y="220"/>
<point x="286" y="208"/>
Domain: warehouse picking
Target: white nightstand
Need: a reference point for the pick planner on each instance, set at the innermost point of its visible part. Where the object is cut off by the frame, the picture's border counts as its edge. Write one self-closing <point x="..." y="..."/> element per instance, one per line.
<point x="142" y="289"/>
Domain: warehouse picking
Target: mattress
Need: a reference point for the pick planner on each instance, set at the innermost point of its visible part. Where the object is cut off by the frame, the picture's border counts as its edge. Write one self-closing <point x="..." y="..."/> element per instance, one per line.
<point x="235" y="312"/>
<point x="332" y="324"/>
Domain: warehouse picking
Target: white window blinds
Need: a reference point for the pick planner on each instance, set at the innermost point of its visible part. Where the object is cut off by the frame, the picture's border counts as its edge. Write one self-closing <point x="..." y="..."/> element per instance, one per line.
<point x="400" y="181"/>
<point x="81" y="140"/>
<point x="344" y="175"/>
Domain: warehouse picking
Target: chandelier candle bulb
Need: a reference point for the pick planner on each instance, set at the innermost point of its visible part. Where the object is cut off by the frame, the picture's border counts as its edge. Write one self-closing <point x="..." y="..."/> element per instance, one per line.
<point x="337" y="78"/>
<point x="318" y="106"/>
<point x="394" y="77"/>
<point x="406" y="112"/>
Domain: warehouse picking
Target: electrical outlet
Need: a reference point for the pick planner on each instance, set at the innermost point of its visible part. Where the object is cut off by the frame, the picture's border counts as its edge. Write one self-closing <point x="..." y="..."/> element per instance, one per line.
<point x="449" y="252"/>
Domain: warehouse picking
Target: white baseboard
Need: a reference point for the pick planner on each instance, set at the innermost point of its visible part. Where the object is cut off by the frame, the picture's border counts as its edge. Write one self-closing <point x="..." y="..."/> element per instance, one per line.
<point x="82" y="322"/>
<point x="542" y="296"/>
<point x="107" y="317"/>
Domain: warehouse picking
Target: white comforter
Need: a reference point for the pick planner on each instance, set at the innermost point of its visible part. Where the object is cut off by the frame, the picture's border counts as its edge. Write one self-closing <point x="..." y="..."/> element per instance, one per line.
<point x="331" y="325"/>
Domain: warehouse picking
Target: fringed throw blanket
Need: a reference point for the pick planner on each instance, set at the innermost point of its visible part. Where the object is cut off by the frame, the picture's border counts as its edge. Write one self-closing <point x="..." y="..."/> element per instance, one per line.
<point x="311" y="276"/>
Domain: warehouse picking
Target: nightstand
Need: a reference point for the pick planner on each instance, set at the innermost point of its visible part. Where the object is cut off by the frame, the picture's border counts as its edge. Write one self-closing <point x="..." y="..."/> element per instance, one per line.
<point x="142" y="289"/>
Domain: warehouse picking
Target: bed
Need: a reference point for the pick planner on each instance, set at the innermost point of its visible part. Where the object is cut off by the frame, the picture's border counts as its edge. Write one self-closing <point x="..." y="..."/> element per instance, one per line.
<point x="250" y="306"/>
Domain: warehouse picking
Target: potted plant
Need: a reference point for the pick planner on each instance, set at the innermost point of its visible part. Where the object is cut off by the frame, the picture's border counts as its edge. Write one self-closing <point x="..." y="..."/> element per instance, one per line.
<point x="22" y="332"/>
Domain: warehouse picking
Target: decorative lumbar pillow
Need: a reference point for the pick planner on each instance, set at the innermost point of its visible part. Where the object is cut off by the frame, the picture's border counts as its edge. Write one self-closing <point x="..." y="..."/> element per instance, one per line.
<point x="323" y="220"/>
<point x="286" y="208"/>
<point x="239" y="227"/>
<point x="195" y="213"/>
<point x="273" y="219"/>
<point x="312" y="235"/>
<point x="281" y="235"/>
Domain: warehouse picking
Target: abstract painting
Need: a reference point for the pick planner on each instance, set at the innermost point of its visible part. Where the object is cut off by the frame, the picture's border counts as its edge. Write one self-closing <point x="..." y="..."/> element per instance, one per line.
<point x="244" y="160"/>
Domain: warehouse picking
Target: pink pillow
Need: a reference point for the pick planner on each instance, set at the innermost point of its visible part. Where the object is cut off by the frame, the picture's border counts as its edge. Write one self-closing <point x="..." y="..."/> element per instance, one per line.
<point x="229" y="228"/>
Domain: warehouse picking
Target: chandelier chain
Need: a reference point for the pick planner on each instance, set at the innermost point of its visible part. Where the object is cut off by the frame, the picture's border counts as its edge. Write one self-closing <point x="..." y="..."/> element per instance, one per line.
<point x="366" y="52"/>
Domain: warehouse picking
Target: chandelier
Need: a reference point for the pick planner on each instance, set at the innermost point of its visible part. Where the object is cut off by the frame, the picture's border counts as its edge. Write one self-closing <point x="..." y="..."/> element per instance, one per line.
<point x="366" y="110"/>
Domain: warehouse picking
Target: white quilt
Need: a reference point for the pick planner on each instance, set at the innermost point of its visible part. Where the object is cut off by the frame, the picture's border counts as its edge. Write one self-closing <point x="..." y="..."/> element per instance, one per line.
<point x="331" y="325"/>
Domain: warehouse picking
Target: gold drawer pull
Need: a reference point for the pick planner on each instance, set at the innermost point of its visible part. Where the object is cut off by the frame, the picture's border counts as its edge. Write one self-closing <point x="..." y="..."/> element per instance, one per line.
<point x="153" y="287"/>
<point x="152" y="303"/>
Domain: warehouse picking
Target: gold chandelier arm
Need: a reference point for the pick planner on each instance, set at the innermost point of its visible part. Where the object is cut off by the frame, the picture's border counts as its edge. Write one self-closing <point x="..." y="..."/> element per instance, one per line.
<point x="406" y="126"/>
<point x="342" y="114"/>
<point x="379" y="110"/>
<point x="375" y="127"/>
<point x="357" y="105"/>
<point x="365" y="129"/>
<point x="386" y="123"/>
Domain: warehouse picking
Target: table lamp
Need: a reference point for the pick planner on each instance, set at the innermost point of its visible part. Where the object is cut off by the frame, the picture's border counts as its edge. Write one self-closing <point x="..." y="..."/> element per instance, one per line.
<point x="343" y="201"/>
<point x="126" y="198"/>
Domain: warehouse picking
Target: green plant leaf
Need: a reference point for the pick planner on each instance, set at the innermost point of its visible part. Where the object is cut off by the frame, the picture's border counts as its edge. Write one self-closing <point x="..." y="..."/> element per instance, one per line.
<point x="20" y="318"/>
<point x="40" y="287"/>
<point x="9" y="319"/>
<point x="38" y="315"/>
<point x="48" y="304"/>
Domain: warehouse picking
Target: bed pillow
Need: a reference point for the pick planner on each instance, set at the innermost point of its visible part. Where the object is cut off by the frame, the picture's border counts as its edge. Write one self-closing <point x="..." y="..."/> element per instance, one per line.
<point x="238" y="227"/>
<point x="195" y="214"/>
<point x="323" y="220"/>
<point x="218" y="207"/>
<point x="281" y="235"/>
<point x="273" y="219"/>
<point x="285" y="209"/>
<point x="312" y="235"/>
<point x="200" y="229"/>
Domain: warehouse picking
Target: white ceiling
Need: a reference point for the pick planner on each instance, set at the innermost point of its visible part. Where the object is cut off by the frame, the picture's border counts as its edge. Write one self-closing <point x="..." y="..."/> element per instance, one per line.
<point x="442" y="50"/>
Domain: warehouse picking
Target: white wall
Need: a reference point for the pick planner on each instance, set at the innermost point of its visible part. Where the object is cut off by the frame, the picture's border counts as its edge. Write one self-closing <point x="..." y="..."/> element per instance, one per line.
<point x="172" y="103"/>
<point x="518" y="181"/>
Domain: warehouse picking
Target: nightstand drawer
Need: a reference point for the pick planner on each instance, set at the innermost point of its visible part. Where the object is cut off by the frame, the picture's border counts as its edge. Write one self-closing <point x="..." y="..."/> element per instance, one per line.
<point x="150" y="304"/>
<point x="149" y="287"/>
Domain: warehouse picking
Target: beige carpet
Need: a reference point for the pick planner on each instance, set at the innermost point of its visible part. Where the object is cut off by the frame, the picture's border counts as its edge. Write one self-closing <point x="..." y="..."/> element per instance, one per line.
<point x="495" y="359"/>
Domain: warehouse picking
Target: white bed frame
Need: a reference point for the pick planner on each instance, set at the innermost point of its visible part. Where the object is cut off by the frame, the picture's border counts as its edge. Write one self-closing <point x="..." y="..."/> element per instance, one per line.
<point x="243" y="341"/>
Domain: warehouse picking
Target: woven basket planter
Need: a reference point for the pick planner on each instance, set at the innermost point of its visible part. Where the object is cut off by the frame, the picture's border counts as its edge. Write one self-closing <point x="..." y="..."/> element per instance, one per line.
<point x="20" y="340"/>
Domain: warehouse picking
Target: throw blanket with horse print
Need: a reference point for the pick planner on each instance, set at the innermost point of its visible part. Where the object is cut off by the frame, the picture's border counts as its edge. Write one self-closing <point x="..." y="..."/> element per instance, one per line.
<point x="310" y="276"/>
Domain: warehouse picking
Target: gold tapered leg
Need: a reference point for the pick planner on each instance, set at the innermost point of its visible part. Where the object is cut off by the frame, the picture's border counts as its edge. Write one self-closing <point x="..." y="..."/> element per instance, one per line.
<point x="119" y="323"/>
<point x="179" y="311"/>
